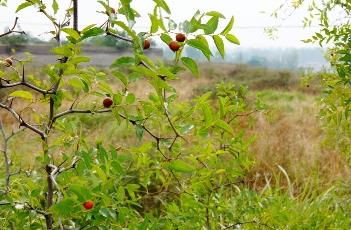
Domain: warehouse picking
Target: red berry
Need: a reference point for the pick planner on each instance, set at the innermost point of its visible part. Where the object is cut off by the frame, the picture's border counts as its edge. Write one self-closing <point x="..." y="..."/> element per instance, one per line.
<point x="8" y="62"/>
<point x="147" y="44"/>
<point x="89" y="204"/>
<point x="174" y="46"/>
<point x="107" y="102"/>
<point x="180" y="37"/>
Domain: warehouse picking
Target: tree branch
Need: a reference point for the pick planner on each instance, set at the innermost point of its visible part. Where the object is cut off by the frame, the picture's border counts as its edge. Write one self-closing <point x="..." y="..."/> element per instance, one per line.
<point x="12" y="30"/>
<point x="22" y="122"/>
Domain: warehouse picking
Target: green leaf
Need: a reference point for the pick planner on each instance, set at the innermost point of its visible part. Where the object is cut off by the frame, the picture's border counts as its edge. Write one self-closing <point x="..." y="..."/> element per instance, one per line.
<point x="65" y="208"/>
<point x="139" y="131"/>
<point x="229" y="27"/>
<point x="123" y="78"/>
<point x="72" y="33"/>
<point x="23" y="5"/>
<point x="166" y="38"/>
<point x="155" y="23"/>
<point x="79" y="59"/>
<point x="123" y="61"/>
<point x="224" y="126"/>
<point x="232" y="39"/>
<point x="126" y="28"/>
<point x="200" y="45"/>
<point x="126" y="10"/>
<point x="92" y="32"/>
<point x="181" y="166"/>
<point x="22" y="94"/>
<point x="55" y="6"/>
<point x="117" y="98"/>
<point x="211" y="25"/>
<point x="163" y="5"/>
<point x="191" y="65"/>
<point x="219" y="44"/>
<point x="206" y="110"/>
<point x="215" y="14"/>
<point x="130" y="99"/>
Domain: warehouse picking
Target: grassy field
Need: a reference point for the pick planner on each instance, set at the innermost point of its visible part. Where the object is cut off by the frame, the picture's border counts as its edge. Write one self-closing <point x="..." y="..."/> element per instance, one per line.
<point x="288" y="135"/>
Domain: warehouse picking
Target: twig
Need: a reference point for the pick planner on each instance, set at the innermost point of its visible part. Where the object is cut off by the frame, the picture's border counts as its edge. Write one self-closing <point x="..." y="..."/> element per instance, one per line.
<point x="12" y="30"/>
<point x="22" y="122"/>
<point x="23" y="82"/>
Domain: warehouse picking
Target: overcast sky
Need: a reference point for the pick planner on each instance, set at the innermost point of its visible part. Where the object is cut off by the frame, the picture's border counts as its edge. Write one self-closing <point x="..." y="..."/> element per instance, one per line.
<point x="249" y="19"/>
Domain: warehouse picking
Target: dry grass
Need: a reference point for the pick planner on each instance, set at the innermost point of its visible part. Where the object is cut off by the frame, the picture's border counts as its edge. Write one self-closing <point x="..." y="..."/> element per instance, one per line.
<point x="287" y="134"/>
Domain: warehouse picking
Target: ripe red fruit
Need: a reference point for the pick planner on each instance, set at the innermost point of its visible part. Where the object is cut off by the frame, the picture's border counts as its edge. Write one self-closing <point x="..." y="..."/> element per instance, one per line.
<point x="180" y="37"/>
<point x="147" y="44"/>
<point x="88" y="205"/>
<point x="107" y="102"/>
<point x="8" y="62"/>
<point x="174" y="46"/>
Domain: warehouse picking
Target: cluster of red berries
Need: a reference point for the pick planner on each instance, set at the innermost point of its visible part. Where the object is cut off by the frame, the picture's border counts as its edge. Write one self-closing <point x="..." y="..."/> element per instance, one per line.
<point x="173" y="45"/>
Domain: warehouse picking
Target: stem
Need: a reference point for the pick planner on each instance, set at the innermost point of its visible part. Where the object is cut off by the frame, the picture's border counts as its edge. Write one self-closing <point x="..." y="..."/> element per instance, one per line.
<point x="75" y="15"/>
<point x="6" y="158"/>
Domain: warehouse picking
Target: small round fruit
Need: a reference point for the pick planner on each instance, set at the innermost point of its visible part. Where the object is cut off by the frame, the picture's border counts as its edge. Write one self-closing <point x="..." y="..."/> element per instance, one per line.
<point x="8" y="62"/>
<point x="174" y="46"/>
<point x="113" y="11"/>
<point x="88" y="205"/>
<point x="107" y="102"/>
<point x="147" y="44"/>
<point x="180" y="37"/>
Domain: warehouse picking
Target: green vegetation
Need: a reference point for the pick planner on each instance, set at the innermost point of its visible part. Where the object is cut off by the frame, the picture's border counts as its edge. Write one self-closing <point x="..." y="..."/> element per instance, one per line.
<point x="146" y="145"/>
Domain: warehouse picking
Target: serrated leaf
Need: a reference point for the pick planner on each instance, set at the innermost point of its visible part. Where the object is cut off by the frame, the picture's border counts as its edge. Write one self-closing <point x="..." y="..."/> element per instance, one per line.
<point x="154" y="23"/>
<point x="181" y="166"/>
<point x="166" y="38"/>
<point x="206" y="110"/>
<point x="232" y="39"/>
<point x="65" y="208"/>
<point x="22" y="94"/>
<point x="92" y="32"/>
<point x="219" y="44"/>
<point x="211" y="25"/>
<point x="72" y="33"/>
<point x="191" y="65"/>
<point x="229" y="27"/>
<point x="23" y="5"/>
<point x="123" y="78"/>
<point x="79" y="59"/>
<point x="200" y="45"/>
<point x="224" y="126"/>
<point x="126" y="28"/>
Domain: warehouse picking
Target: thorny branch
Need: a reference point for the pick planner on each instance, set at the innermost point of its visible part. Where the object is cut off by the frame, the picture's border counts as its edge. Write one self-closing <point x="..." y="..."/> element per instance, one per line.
<point x="12" y="30"/>
<point x="7" y="162"/>
<point x="23" y="123"/>
<point x="23" y="82"/>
